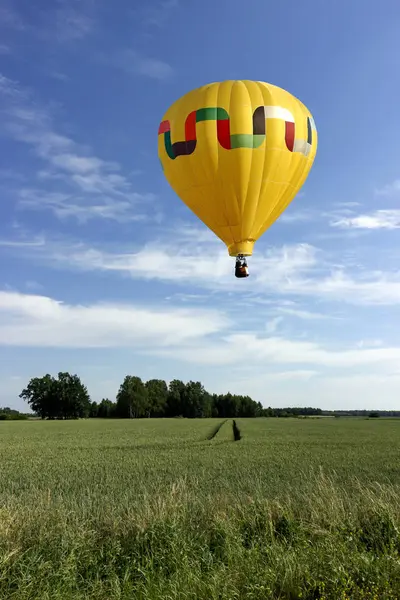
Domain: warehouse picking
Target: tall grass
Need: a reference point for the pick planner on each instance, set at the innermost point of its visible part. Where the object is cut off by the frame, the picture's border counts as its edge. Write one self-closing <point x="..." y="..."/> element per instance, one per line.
<point x="155" y="510"/>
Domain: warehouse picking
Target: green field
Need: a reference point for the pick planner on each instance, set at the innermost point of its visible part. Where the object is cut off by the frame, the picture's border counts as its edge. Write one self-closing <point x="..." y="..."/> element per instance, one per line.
<point x="160" y="509"/>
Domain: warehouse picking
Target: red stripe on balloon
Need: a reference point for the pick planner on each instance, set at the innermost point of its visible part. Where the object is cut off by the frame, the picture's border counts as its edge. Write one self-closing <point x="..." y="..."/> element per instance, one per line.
<point x="224" y="133"/>
<point x="190" y="127"/>
<point x="289" y="135"/>
<point x="164" y="127"/>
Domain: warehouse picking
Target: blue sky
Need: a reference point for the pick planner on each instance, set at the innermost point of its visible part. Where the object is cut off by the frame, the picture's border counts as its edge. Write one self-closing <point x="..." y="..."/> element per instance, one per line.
<point x="104" y="272"/>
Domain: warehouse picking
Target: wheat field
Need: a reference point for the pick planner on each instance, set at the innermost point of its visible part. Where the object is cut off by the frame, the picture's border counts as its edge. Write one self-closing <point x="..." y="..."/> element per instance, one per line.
<point x="200" y="509"/>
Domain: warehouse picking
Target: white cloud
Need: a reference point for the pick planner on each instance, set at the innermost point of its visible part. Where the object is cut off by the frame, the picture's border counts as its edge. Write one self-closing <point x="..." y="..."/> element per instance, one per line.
<point x="347" y="204"/>
<point x="21" y="243"/>
<point x="153" y="68"/>
<point x="187" y="297"/>
<point x="380" y="219"/>
<point x="159" y="13"/>
<point x="64" y="21"/>
<point x="300" y="216"/>
<point x="134" y="63"/>
<point x="72" y="24"/>
<point x="183" y="334"/>
<point x="272" y="369"/>
<point x="57" y="75"/>
<point x="391" y="189"/>
<point x="184" y="232"/>
<point x="289" y="270"/>
<point x="266" y="351"/>
<point x="65" y="205"/>
<point x="77" y="183"/>
<point x="298" y="271"/>
<point x="33" y="285"/>
<point x="337" y="210"/>
<point x="40" y="321"/>
<point x="372" y="288"/>
<point x="11" y="90"/>
<point x="273" y="325"/>
<point x="80" y="164"/>
<point x="193" y="266"/>
<point x="369" y="343"/>
<point x="303" y="314"/>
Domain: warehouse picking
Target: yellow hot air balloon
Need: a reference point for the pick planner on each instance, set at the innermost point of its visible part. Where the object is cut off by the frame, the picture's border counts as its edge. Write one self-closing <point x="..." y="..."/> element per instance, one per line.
<point x="237" y="153"/>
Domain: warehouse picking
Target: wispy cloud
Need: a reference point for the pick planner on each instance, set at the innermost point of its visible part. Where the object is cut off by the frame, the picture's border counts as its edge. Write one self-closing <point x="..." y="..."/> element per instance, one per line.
<point x="380" y="219"/>
<point x="273" y="325"/>
<point x="63" y="21"/>
<point x="369" y="343"/>
<point x="303" y="314"/>
<point x="33" y="320"/>
<point x="65" y="206"/>
<point x="21" y="243"/>
<point x="274" y="350"/>
<point x="192" y="265"/>
<point x="33" y="285"/>
<point x="294" y="271"/>
<point x="11" y="90"/>
<point x="134" y="63"/>
<point x="73" y="20"/>
<point x="77" y="183"/>
<point x="185" y="232"/>
<point x="153" y="68"/>
<point x="347" y="204"/>
<point x="192" y="335"/>
<point x="298" y="271"/>
<point x="300" y="216"/>
<point x="335" y="212"/>
<point x="390" y="189"/>
<point x="58" y="75"/>
<point x="158" y="14"/>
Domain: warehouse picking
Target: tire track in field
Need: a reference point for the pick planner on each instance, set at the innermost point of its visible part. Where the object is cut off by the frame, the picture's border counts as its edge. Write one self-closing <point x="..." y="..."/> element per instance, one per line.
<point x="214" y="432"/>
<point x="236" y="434"/>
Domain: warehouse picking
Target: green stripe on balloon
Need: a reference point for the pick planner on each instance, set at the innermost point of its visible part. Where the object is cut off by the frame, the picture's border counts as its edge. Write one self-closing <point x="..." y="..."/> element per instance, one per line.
<point x="225" y="138"/>
<point x="211" y="114"/>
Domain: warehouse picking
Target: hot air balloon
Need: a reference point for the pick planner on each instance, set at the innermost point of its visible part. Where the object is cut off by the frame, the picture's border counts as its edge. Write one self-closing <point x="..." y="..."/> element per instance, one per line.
<point x="237" y="153"/>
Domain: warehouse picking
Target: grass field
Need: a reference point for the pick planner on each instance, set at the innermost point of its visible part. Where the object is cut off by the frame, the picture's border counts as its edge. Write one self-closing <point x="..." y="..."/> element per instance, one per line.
<point x="168" y="509"/>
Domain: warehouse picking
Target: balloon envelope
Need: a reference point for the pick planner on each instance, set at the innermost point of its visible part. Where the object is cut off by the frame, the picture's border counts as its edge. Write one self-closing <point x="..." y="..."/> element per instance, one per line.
<point x="237" y="153"/>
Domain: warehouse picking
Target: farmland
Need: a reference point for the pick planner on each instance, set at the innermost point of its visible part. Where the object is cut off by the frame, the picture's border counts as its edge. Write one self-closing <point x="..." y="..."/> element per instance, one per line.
<point x="176" y="508"/>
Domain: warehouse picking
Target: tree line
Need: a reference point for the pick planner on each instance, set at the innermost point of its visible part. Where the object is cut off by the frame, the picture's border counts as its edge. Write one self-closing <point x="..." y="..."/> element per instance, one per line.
<point x="66" y="397"/>
<point x="10" y="414"/>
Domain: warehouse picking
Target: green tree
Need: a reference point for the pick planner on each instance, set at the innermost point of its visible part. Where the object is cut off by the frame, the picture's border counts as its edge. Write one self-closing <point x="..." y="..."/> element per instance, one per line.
<point x="196" y="401"/>
<point x="176" y="398"/>
<point x="132" y="398"/>
<point x="63" y="398"/>
<point x="10" y="414"/>
<point x="247" y="407"/>
<point x="94" y="410"/>
<point x="41" y="395"/>
<point x="106" y="409"/>
<point x="157" y="393"/>
<point x="75" y="399"/>
<point x="227" y="405"/>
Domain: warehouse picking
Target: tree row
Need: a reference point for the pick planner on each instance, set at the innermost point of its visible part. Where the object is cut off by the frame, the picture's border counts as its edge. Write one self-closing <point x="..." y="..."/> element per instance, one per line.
<point x="66" y="397"/>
